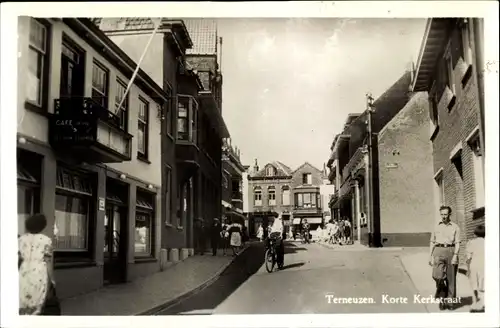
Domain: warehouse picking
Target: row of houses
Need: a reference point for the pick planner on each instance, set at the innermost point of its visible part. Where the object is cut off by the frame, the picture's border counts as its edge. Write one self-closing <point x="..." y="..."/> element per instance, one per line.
<point x="120" y="172"/>
<point x="418" y="146"/>
<point x="276" y="188"/>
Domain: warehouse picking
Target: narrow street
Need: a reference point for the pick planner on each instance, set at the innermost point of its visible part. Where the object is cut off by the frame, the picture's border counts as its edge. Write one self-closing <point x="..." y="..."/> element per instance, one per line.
<point x="310" y="273"/>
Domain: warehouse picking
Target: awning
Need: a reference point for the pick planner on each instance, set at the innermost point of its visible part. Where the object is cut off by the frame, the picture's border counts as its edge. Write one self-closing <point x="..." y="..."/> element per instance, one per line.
<point x="25" y="175"/>
<point x="144" y="204"/>
<point x="296" y="221"/>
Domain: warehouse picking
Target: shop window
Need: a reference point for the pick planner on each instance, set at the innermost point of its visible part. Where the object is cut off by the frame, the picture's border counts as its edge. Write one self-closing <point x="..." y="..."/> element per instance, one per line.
<point x="72" y="212"/>
<point x="144" y="227"/>
<point x="28" y="192"/>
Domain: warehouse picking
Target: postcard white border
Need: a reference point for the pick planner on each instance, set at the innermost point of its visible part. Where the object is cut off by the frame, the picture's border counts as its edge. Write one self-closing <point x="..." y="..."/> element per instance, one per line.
<point x="390" y="9"/>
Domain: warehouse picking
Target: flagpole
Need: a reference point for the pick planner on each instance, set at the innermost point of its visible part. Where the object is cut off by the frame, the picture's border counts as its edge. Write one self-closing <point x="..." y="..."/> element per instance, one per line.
<point x="157" y="26"/>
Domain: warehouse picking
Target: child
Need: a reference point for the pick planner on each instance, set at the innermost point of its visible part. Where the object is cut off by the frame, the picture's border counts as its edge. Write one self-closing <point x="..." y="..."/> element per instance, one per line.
<point x="475" y="268"/>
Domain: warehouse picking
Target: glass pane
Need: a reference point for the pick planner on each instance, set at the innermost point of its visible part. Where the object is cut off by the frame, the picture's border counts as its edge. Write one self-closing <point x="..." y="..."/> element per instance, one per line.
<point x="141" y="141"/>
<point x="70" y="230"/>
<point x="142" y="233"/>
<point x="34" y="76"/>
<point x="142" y="111"/>
<point x="37" y="34"/>
<point x="182" y="110"/>
<point x="99" y="79"/>
<point x="307" y="198"/>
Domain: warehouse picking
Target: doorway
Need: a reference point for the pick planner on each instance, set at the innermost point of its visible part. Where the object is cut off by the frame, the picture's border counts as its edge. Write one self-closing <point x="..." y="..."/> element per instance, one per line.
<point x="115" y="233"/>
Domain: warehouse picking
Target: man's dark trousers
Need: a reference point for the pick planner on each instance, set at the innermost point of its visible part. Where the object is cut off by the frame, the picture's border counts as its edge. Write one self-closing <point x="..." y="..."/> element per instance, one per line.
<point x="447" y="286"/>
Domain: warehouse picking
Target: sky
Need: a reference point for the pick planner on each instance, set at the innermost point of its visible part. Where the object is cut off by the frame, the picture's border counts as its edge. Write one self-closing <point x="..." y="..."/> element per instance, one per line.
<point x="290" y="83"/>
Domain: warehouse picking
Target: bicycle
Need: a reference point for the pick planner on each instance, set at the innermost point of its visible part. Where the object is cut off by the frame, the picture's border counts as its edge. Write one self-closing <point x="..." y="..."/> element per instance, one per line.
<point x="271" y="256"/>
<point x="305" y="238"/>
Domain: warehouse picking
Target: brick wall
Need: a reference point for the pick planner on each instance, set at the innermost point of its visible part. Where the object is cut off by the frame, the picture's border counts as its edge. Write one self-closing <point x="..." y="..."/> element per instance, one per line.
<point x="455" y="126"/>
<point x="407" y="208"/>
<point x="265" y="184"/>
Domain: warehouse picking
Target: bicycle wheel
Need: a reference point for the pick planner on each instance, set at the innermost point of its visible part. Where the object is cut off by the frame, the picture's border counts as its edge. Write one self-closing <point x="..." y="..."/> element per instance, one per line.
<point x="269" y="260"/>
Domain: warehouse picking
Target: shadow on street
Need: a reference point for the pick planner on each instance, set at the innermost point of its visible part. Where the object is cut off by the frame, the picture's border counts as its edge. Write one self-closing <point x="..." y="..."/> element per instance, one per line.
<point x="205" y="301"/>
<point x="293" y="265"/>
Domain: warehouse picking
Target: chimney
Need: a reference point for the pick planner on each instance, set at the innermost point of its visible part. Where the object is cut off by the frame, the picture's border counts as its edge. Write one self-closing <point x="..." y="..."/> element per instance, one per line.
<point x="256" y="166"/>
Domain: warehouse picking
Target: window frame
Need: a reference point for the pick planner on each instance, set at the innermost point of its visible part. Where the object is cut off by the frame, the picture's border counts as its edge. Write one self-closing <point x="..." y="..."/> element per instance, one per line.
<point x="152" y="227"/>
<point x="122" y="113"/>
<point x="271" y="191"/>
<point x="105" y="95"/>
<point x="283" y="189"/>
<point x="474" y="142"/>
<point x="42" y="106"/>
<point x="190" y="120"/>
<point x="257" y="192"/>
<point x="144" y="123"/>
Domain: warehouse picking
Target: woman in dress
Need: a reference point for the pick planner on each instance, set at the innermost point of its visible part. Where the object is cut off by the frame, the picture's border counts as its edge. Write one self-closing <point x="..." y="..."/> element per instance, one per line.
<point x="235" y="232"/>
<point x="35" y="266"/>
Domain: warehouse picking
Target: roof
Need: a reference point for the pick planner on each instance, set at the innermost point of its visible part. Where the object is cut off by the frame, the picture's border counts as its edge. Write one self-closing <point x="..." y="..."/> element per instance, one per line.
<point x="282" y="169"/>
<point x="305" y="164"/>
<point x="203" y="32"/>
<point x="436" y="32"/>
<point x="109" y="25"/>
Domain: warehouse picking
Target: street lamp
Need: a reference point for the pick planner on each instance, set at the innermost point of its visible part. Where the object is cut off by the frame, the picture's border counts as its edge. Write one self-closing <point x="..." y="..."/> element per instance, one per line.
<point x="370" y="109"/>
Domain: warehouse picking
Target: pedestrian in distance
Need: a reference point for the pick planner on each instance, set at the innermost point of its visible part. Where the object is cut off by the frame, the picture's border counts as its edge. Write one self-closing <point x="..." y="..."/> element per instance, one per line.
<point x="329" y="229"/>
<point x="443" y="257"/>
<point x="235" y="237"/>
<point x="347" y="231"/>
<point x="215" y="231"/>
<point x="225" y="236"/>
<point x="475" y="268"/>
<point x="260" y="232"/>
<point x="36" y="276"/>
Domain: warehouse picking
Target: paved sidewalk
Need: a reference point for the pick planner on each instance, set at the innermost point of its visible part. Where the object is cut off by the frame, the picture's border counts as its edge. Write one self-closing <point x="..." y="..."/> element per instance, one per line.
<point x="146" y="293"/>
<point x="419" y="271"/>
<point x="356" y="247"/>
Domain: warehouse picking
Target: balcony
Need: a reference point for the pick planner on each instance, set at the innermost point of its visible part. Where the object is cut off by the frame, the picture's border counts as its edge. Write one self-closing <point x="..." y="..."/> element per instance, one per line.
<point x="86" y="131"/>
<point x="304" y="210"/>
<point x="356" y="160"/>
<point x="187" y="155"/>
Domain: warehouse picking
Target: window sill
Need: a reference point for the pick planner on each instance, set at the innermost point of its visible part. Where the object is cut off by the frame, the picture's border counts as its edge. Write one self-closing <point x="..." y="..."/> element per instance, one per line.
<point x="478" y="213"/>
<point x="169" y="225"/>
<point x="180" y="228"/>
<point x="434" y="132"/>
<point x="144" y="259"/>
<point x="143" y="158"/>
<point x="36" y="108"/>
<point x="74" y="264"/>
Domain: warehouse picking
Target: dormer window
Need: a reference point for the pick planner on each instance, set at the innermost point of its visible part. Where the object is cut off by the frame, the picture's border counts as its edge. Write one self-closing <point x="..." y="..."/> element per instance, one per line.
<point x="270" y="171"/>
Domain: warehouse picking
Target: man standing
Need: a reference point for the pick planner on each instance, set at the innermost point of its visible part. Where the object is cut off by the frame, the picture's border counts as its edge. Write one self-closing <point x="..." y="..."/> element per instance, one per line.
<point x="215" y="231"/>
<point x="444" y="247"/>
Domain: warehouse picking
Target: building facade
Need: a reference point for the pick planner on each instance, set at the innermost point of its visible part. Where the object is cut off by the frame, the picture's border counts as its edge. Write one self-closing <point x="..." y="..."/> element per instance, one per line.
<point x="448" y="69"/>
<point x="307" y="202"/>
<point x="186" y="64"/>
<point x="269" y="193"/>
<point x="87" y="153"/>
<point x="374" y="197"/>
<point x="232" y="184"/>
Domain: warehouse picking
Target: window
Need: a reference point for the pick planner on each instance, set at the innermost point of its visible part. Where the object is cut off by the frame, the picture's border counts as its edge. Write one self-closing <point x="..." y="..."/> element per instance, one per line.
<point x="272" y="196"/>
<point x="72" y="70"/>
<point x="439" y="188"/>
<point x="307" y="178"/>
<point x="122" y="111"/>
<point x="307" y="200"/>
<point x="457" y="161"/>
<point x="475" y="145"/>
<point x="142" y="129"/>
<point x="258" y="196"/>
<point x="168" y="197"/>
<point x="72" y="212"/>
<point x="100" y="84"/>
<point x="270" y="171"/>
<point x="37" y="62"/>
<point x="28" y="187"/>
<point x="285" y="196"/>
<point x="144" y="227"/>
<point x="187" y="118"/>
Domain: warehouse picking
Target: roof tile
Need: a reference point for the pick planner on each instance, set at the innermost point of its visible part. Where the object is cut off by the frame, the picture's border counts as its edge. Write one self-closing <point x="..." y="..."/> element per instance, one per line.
<point x="203" y="32"/>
